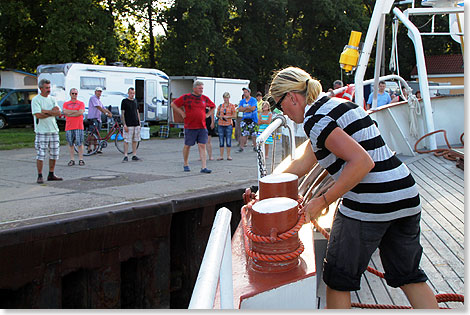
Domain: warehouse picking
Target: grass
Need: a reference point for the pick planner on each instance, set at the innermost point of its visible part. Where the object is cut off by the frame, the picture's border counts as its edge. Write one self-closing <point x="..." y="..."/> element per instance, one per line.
<point x="18" y="138"/>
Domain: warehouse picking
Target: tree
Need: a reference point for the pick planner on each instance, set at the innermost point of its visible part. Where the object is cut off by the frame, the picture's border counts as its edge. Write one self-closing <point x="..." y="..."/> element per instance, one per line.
<point x="196" y="41"/>
<point x="42" y="32"/>
<point x="260" y="34"/>
<point x="321" y="30"/>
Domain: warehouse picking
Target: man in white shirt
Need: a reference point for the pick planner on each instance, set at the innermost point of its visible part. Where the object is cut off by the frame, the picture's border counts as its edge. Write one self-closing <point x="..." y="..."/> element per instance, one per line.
<point x="45" y="109"/>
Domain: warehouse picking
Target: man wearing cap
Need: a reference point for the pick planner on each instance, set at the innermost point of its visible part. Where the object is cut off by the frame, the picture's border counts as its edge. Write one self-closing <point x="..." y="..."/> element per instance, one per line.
<point x="95" y="108"/>
<point x="249" y="107"/>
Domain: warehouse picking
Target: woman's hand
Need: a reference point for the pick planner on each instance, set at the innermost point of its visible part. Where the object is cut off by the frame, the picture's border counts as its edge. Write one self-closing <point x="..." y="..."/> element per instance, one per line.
<point x="314" y="208"/>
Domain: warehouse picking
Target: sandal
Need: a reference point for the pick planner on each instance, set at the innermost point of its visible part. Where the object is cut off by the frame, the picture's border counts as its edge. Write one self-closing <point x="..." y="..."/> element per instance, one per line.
<point x="81" y="162"/>
<point x="71" y="163"/>
<point x="220" y="159"/>
<point x="229" y="158"/>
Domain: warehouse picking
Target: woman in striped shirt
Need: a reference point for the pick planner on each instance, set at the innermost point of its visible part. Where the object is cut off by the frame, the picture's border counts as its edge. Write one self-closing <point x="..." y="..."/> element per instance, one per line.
<point x="380" y="206"/>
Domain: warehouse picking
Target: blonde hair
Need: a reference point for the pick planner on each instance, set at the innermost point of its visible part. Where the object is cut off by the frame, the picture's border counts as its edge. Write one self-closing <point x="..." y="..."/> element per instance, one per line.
<point x="226" y="94"/>
<point x="295" y="80"/>
<point x="265" y="103"/>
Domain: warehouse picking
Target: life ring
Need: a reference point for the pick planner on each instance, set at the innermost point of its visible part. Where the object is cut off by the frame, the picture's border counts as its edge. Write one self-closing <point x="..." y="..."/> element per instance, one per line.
<point x="348" y="94"/>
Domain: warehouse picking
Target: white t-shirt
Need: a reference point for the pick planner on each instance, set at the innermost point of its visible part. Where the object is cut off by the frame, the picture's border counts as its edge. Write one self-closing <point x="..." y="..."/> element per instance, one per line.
<point x="45" y="125"/>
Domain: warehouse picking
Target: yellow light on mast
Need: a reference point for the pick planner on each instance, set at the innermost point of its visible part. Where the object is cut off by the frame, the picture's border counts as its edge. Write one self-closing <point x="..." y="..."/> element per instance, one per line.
<point x="350" y="55"/>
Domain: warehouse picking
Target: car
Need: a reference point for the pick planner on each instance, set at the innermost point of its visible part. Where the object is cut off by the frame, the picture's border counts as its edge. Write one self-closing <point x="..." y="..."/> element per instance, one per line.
<point x="15" y="106"/>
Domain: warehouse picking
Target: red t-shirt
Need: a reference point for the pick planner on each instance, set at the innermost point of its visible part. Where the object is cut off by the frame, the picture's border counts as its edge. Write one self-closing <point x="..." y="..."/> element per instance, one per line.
<point x="72" y="123"/>
<point x="195" y="109"/>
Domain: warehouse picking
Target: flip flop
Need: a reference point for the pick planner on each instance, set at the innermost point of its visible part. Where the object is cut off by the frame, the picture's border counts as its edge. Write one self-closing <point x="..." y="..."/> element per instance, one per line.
<point x="71" y="163"/>
<point x="229" y="158"/>
<point x="220" y="159"/>
<point x="81" y="162"/>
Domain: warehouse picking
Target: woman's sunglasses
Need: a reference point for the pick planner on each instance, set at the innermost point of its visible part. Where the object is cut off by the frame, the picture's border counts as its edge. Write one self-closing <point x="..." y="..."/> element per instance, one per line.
<point x="272" y="103"/>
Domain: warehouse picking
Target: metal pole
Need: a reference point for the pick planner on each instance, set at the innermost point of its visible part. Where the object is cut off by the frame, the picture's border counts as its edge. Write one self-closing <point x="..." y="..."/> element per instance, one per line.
<point x="381" y="7"/>
<point x="378" y="59"/>
<point x="208" y="276"/>
<point x="415" y="36"/>
<point x="226" y="282"/>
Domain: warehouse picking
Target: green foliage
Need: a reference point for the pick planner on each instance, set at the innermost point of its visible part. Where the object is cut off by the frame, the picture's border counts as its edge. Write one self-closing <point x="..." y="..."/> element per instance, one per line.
<point x="223" y="38"/>
<point x="58" y="31"/>
<point x="196" y="42"/>
<point x="18" y="138"/>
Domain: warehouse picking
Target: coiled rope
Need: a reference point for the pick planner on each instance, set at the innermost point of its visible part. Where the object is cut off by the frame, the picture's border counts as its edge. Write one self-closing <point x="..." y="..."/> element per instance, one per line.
<point x="440" y="152"/>
<point x="248" y="234"/>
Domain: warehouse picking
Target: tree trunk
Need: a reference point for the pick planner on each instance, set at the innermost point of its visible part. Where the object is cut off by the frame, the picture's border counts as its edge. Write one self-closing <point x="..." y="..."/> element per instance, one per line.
<point x="152" y="39"/>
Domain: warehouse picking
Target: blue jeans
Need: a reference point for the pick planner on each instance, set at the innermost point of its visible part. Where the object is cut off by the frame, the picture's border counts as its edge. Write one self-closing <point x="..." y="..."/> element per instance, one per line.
<point x="225" y="132"/>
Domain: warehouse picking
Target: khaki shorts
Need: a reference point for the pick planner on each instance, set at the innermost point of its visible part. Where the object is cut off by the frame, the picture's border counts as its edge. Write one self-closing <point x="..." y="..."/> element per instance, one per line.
<point x="132" y="135"/>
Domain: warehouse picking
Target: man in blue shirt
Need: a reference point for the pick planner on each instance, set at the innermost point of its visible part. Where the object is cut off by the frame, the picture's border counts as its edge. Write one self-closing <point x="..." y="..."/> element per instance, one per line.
<point x="248" y="106"/>
<point x="383" y="98"/>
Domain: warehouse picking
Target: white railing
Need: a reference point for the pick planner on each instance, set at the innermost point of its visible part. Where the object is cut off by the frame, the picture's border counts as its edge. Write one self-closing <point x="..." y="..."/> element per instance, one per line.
<point x="278" y="121"/>
<point x="216" y="266"/>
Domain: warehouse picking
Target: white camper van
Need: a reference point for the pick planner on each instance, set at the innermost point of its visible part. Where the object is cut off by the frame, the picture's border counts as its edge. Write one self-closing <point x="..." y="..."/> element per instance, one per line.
<point x="151" y="86"/>
<point x="214" y="88"/>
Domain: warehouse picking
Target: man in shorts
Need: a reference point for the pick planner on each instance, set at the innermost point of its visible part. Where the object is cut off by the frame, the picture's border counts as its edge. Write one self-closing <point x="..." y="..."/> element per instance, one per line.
<point x="95" y="108"/>
<point x="194" y="116"/>
<point x="73" y="111"/>
<point x="249" y="123"/>
<point x="131" y="123"/>
<point x="45" y="109"/>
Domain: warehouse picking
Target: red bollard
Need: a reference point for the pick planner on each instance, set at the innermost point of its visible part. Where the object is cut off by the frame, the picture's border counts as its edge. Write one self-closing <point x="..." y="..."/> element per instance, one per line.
<point x="279" y="185"/>
<point x="271" y="217"/>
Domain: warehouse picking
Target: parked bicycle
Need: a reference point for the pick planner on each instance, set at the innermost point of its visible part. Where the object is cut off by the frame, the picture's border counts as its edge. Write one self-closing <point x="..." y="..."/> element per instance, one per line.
<point x="93" y="142"/>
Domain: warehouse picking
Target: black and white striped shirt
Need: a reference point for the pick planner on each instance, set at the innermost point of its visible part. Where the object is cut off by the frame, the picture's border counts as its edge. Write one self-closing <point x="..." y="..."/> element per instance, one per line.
<point x="388" y="191"/>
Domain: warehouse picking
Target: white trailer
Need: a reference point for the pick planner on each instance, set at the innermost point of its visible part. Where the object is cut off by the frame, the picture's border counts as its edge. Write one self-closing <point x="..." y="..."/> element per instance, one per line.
<point x="151" y="86"/>
<point x="214" y="88"/>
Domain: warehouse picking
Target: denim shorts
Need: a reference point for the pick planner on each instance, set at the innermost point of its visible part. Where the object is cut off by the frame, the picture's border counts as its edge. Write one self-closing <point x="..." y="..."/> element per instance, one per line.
<point x="74" y="136"/>
<point x="191" y="136"/>
<point x="352" y="243"/>
<point x="94" y="122"/>
<point x="225" y="136"/>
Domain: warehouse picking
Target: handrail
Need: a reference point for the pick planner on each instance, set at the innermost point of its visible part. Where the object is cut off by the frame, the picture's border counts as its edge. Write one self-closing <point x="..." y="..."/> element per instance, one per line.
<point x="415" y="37"/>
<point x="216" y="265"/>
<point x="278" y="121"/>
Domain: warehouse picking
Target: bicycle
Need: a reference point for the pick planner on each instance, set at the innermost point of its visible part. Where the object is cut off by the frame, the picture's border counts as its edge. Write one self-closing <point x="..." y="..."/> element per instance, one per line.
<point x="93" y="142"/>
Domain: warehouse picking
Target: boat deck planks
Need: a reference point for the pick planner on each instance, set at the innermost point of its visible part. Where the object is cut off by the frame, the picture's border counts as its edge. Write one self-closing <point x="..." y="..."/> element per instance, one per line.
<point x="441" y="186"/>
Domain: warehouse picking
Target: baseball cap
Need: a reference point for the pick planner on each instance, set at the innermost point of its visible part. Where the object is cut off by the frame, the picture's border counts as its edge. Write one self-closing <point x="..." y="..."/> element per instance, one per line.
<point x="245" y="88"/>
<point x="98" y="88"/>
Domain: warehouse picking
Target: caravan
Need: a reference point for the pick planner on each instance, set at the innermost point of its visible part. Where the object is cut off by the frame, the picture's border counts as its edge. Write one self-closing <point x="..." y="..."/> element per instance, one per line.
<point x="214" y="88"/>
<point x="151" y="86"/>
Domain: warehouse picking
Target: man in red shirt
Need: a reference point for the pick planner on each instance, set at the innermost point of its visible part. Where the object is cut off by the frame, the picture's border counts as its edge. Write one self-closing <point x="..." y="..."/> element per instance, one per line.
<point x="73" y="111"/>
<point x="194" y="115"/>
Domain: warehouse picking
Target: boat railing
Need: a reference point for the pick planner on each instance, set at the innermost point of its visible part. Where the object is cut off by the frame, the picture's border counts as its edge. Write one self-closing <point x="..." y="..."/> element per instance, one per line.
<point x="278" y="121"/>
<point x="216" y="266"/>
<point x="376" y="29"/>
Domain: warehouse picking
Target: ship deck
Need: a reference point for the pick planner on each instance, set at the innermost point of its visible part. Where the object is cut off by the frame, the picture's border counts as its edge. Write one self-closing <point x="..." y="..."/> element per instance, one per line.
<point x="441" y="186"/>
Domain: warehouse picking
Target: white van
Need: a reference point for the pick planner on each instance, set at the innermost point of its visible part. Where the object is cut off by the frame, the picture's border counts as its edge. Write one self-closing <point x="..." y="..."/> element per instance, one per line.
<point x="151" y="86"/>
<point x="214" y="88"/>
